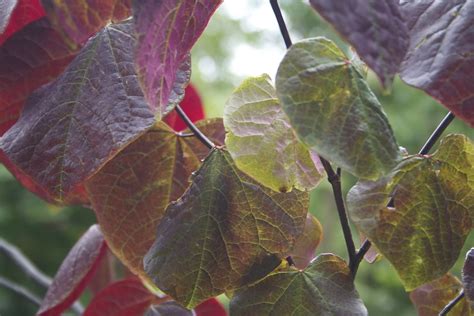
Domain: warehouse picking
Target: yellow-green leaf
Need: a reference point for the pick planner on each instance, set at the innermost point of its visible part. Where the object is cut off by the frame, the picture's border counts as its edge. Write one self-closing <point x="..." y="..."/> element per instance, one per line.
<point x="224" y="232"/>
<point x="424" y="231"/>
<point x="325" y="287"/>
<point x="262" y="143"/>
<point x="333" y="110"/>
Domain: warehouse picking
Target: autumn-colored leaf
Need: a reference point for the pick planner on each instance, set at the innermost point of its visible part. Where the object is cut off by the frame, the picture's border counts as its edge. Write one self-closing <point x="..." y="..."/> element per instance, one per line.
<point x="333" y="111"/>
<point x="32" y="57"/>
<point x="325" y="287"/>
<point x="433" y="196"/>
<point x="261" y="140"/>
<point x="224" y="232"/>
<point x="468" y="276"/>
<point x="167" y="30"/>
<point x="430" y="298"/>
<point x="80" y="19"/>
<point x="440" y="58"/>
<point x="304" y="248"/>
<point x="16" y="14"/>
<point x="123" y="298"/>
<point x="75" y="272"/>
<point x="211" y="307"/>
<point x="191" y="105"/>
<point x="376" y="29"/>
<point x="72" y="126"/>
<point x="131" y="192"/>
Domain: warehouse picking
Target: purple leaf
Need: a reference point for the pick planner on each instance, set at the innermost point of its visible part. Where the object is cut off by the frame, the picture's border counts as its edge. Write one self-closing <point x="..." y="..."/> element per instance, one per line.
<point x="167" y="30"/>
<point x="440" y="58"/>
<point x="375" y="28"/>
<point x="468" y="276"/>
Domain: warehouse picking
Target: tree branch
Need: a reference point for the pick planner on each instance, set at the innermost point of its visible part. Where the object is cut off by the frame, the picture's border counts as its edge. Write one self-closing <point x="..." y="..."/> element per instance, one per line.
<point x="451" y="304"/>
<point x="19" y="290"/>
<point x="334" y="178"/>
<point x="423" y="151"/>
<point x="203" y="138"/>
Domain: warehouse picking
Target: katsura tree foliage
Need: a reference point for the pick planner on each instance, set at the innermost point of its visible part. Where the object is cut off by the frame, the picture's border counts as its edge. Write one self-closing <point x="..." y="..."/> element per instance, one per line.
<point x="96" y="109"/>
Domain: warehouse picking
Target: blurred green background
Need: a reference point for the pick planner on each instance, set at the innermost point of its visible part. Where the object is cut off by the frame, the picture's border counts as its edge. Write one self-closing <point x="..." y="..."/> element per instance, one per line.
<point x="242" y="40"/>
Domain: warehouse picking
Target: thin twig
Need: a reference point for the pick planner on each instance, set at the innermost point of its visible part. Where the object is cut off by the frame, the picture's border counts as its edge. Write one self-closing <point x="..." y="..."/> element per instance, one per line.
<point x="25" y="264"/>
<point x="203" y="138"/>
<point x="423" y="151"/>
<point x="334" y="178"/>
<point x="20" y="290"/>
<point x="451" y="304"/>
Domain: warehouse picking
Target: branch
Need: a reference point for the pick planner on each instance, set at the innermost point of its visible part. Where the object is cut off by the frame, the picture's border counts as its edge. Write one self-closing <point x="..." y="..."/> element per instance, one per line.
<point x="203" y="138"/>
<point x="451" y="304"/>
<point x="423" y="151"/>
<point x="19" y="290"/>
<point x="333" y="177"/>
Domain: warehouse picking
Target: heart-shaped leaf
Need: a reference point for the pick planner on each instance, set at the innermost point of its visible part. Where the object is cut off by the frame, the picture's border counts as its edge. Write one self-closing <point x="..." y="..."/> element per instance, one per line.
<point x="224" y="232"/>
<point x="167" y="30"/>
<point x="376" y="29"/>
<point x="131" y="192"/>
<point x="433" y="196"/>
<point x="333" y="111"/>
<point x="440" y="58"/>
<point x="261" y="140"/>
<point x="75" y="272"/>
<point x="325" y="287"/>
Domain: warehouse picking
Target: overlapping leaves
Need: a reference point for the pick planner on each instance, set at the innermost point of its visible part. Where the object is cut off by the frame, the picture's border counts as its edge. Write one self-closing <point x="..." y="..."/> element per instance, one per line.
<point x="433" y="198"/>
<point x="333" y="111"/>
<point x="224" y="232"/>
<point x="261" y="140"/>
<point x="130" y="194"/>
<point x="325" y="287"/>
<point x="305" y="247"/>
<point x="72" y="126"/>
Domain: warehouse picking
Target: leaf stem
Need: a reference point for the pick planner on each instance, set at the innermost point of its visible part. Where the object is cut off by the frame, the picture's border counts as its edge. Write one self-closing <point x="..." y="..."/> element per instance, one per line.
<point x="451" y="304"/>
<point x="203" y="138"/>
<point x="20" y="290"/>
<point x="334" y="178"/>
<point x="423" y="151"/>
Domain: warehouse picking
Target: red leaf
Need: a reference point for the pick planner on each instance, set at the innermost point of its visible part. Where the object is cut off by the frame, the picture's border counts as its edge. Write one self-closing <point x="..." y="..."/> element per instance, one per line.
<point x="124" y="298"/>
<point x="211" y="307"/>
<point x="25" y="12"/>
<point x="191" y="105"/>
<point x="75" y="272"/>
<point x="32" y="57"/>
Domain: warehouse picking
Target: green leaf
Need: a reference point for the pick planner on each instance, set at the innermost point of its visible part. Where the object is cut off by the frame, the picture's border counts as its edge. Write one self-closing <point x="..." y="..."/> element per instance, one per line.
<point x="224" y="232"/>
<point x="424" y="232"/>
<point x="262" y="143"/>
<point x="333" y="111"/>
<point x="303" y="251"/>
<point x="429" y="299"/>
<point x="325" y="287"/>
<point x="130" y="193"/>
<point x="468" y="276"/>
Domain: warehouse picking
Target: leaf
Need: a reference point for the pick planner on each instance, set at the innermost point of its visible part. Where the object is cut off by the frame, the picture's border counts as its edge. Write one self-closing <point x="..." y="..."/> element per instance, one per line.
<point x="16" y="14"/>
<point x="167" y="30"/>
<point x="303" y="251"/>
<point x="440" y="58"/>
<point x="325" y="287"/>
<point x="376" y="29"/>
<point x="468" y="276"/>
<point x="74" y="125"/>
<point x="262" y="143"/>
<point x="80" y="19"/>
<point x="333" y="111"/>
<point x="429" y="299"/>
<point x="74" y="273"/>
<point x="424" y="232"/>
<point x="130" y="193"/>
<point x="224" y="232"/>
<point x="211" y="307"/>
<point x="191" y="105"/>
<point x="123" y="298"/>
<point x="32" y="57"/>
